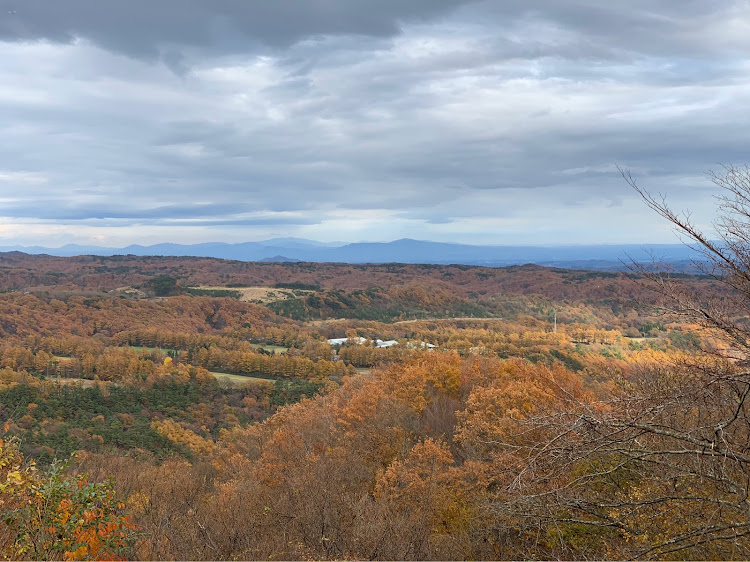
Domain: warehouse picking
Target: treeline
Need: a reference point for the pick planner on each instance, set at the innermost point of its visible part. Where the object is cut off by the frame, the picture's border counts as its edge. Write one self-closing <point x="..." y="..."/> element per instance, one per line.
<point x="217" y="359"/>
<point x="216" y="293"/>
<point x="375" y="303"/>
<point x="289" y="336"/>
<point x="126" y="364"/>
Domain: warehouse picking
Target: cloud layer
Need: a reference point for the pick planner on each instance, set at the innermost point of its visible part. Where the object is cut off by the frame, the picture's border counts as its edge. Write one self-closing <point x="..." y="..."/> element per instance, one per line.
<point x="486" y="122"/>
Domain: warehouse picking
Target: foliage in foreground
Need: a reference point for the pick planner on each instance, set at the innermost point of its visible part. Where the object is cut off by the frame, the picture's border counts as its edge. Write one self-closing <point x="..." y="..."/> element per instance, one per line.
<point x="48" y="515"/>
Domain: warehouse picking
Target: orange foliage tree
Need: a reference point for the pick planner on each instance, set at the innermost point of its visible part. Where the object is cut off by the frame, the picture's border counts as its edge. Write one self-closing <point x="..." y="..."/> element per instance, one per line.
<point x="50" y="515"/>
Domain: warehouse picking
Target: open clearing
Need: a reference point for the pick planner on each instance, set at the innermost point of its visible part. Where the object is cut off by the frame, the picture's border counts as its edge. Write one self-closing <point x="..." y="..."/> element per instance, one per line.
<point x="327" y="321"/>
<point x="259" y="294"/>
<point x="275" y="349"/>
<point x="240" y="379"/>
<point x="86" y="383"/>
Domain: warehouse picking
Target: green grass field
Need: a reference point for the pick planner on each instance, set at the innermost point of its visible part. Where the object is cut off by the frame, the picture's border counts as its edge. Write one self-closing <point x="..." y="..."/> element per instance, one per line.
<point x="240" y="379"/>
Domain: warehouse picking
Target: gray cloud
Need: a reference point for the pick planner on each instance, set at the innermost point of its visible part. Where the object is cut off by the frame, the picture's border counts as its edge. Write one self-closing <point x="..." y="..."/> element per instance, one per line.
<point x="146" y="29"/>
<point x="463" y="121"/>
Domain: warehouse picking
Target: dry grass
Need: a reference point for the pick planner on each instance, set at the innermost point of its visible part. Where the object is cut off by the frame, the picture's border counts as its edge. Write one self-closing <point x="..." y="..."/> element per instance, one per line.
<point x="257" y="294"/>
<point x="240" y="379"/>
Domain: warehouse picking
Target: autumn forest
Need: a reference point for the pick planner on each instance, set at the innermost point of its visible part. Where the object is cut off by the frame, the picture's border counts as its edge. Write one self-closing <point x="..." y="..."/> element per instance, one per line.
<point x="187" y="408"/>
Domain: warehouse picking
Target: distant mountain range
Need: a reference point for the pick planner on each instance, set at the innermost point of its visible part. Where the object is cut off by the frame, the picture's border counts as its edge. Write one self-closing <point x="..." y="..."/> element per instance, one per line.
<point x="600" y="256"/>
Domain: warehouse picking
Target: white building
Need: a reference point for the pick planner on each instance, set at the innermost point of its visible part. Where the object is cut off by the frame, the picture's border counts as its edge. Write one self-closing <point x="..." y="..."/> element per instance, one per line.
<point x="387" y="343"/>
<point x="342" y="341"/>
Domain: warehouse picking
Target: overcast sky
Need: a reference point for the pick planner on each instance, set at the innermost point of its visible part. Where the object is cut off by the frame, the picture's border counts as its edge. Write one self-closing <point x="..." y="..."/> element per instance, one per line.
<point x="493" y="122"/>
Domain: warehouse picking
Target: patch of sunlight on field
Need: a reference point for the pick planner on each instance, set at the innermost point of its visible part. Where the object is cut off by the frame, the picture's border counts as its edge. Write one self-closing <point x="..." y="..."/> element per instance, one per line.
<point x="240" y="379"/>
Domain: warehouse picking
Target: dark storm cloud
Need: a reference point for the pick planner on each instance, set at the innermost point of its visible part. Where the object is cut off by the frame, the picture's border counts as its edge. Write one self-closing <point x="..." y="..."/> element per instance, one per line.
<point x="145" y="27"/>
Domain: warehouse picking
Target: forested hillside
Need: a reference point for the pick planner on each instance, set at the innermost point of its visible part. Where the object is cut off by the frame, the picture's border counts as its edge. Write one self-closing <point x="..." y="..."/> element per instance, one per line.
<point x="456" y="412"/>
